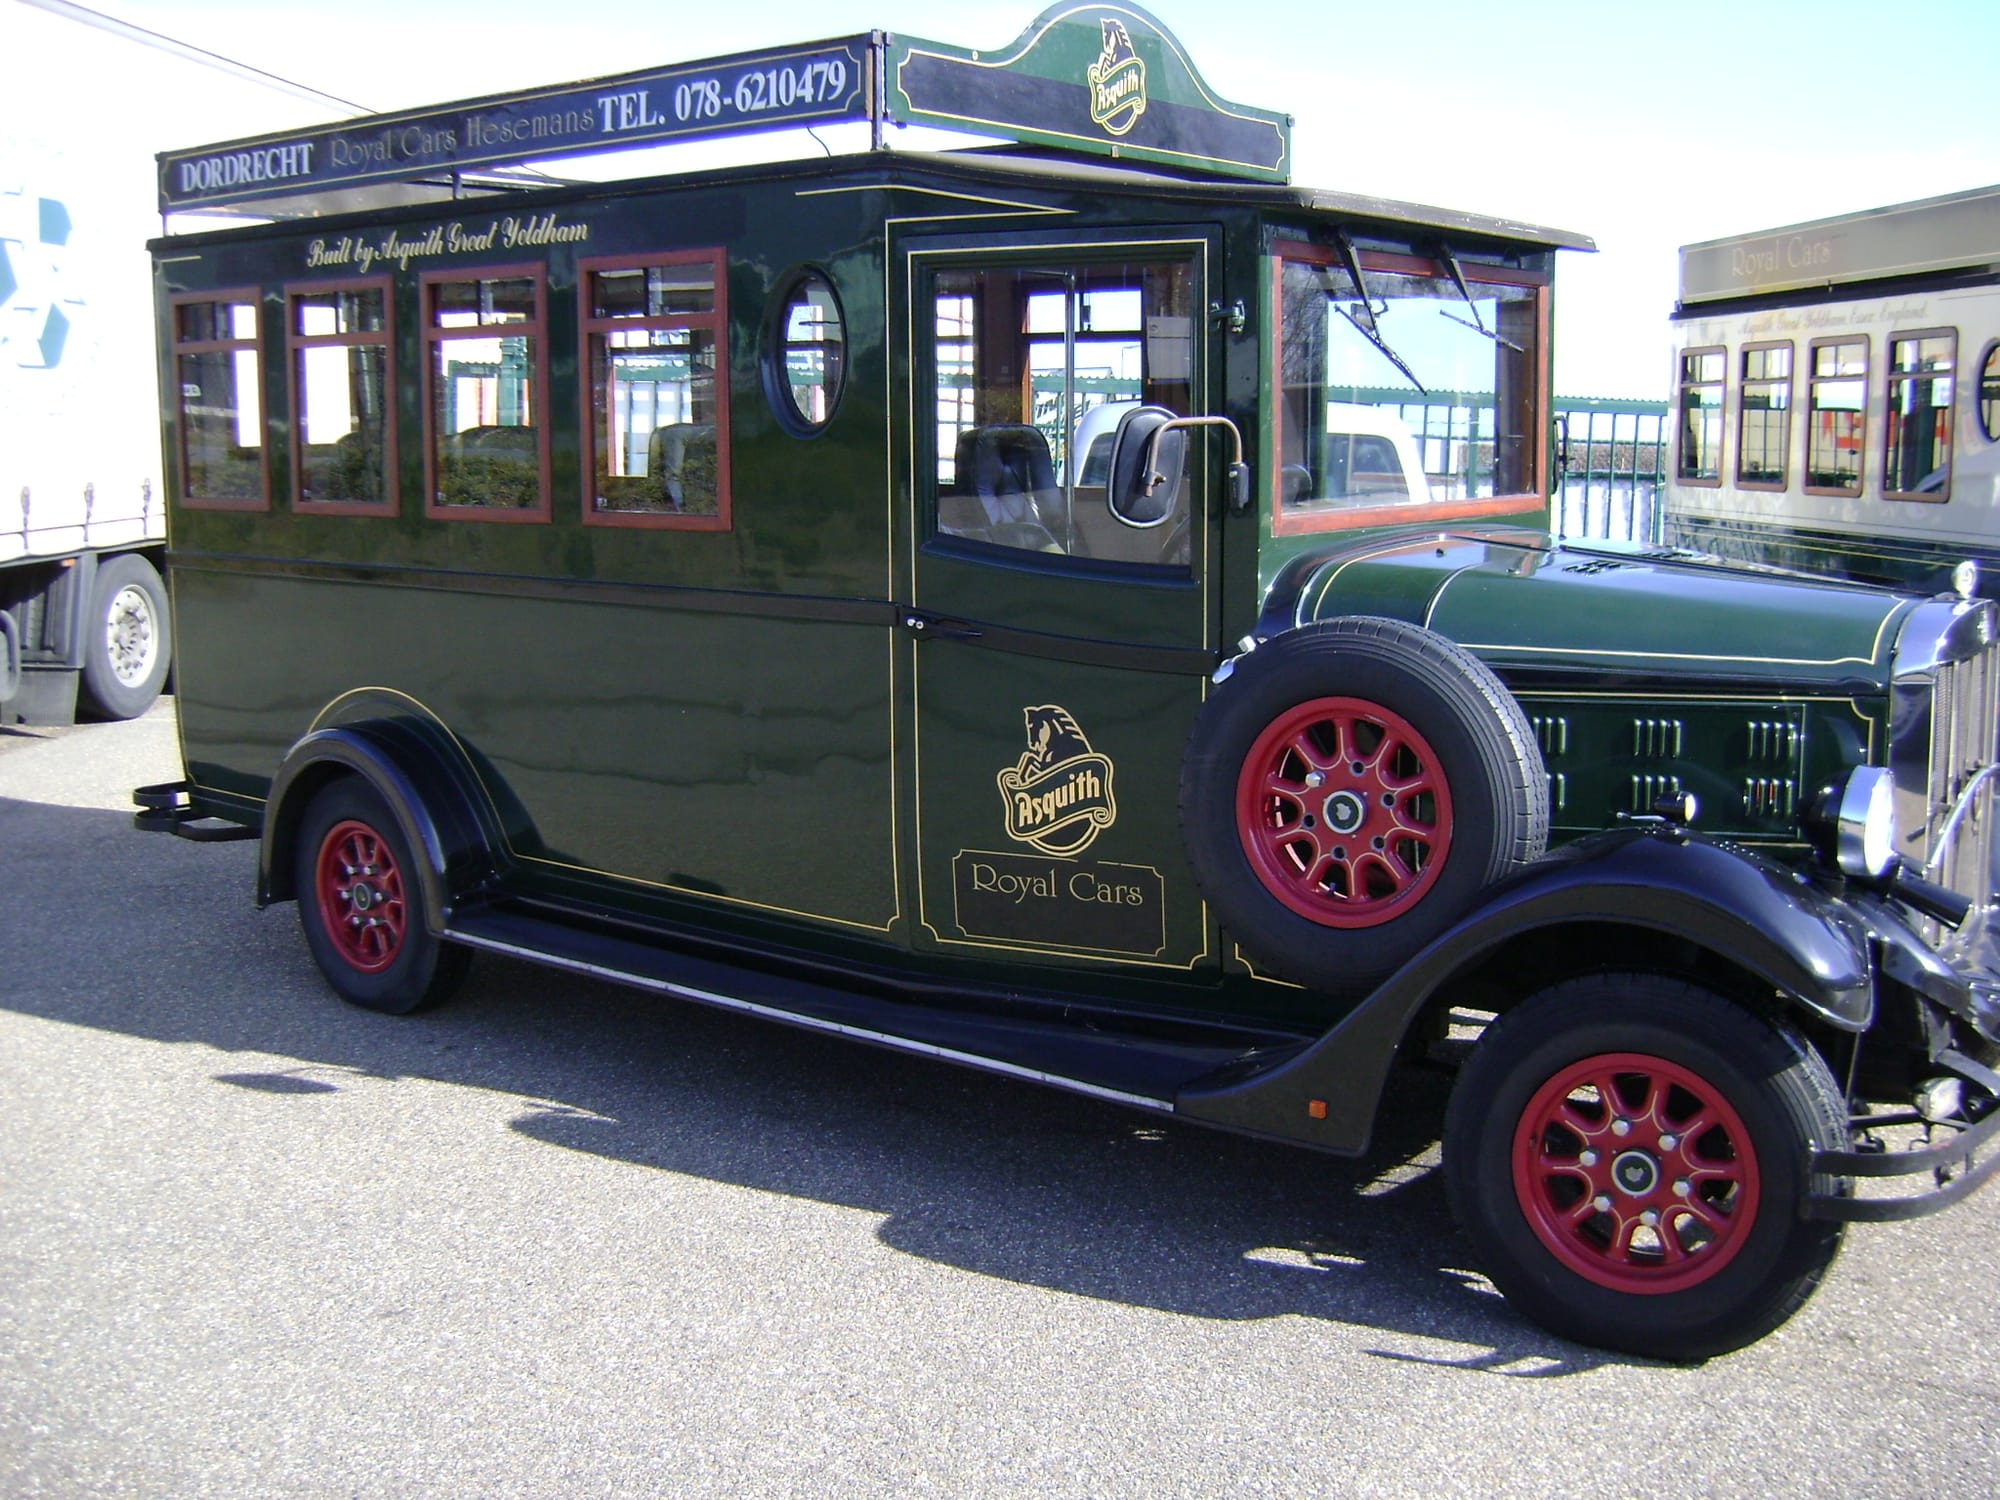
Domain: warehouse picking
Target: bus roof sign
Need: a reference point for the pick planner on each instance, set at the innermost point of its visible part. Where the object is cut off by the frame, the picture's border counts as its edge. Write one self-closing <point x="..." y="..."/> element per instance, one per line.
<point x="1905" y="239"/>
<point x="817" y="83"/>
<point x="1103" y="78"/>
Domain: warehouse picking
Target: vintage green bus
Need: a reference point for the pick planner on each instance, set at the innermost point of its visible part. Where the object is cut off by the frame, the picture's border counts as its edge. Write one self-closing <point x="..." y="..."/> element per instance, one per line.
<point x="713" y="582"/>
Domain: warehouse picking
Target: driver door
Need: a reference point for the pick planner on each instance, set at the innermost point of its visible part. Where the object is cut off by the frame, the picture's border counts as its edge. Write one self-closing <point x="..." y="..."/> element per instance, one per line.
<point x="1054" y="654"/>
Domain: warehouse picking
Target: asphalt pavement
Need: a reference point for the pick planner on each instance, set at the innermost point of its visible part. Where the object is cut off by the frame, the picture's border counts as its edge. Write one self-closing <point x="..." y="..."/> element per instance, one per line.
<point x="561" y="1239"/>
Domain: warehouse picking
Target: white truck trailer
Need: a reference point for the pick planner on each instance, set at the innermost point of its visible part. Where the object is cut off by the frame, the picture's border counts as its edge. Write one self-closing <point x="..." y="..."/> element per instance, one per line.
<point x="84" y="617"/>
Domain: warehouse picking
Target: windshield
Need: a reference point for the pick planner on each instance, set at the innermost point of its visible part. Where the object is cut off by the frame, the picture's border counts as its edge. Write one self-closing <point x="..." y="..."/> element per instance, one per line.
<point x="1425" y="391"/>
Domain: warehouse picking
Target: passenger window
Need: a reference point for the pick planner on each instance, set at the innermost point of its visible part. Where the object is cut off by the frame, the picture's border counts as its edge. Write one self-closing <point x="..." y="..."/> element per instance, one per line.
<point x="1700" y="407"/>
<point x="221" y="415"/>
<point x="810" y="355"/>
<point x="342" y="438"/>
<point x="487" y="458"/>
<point x="1836" y="410"/>
<point x="659" y="421"/>
<point x="1764" y="420"/>
<point x="1034" y="368"/>
<point x="1916" y="463"/>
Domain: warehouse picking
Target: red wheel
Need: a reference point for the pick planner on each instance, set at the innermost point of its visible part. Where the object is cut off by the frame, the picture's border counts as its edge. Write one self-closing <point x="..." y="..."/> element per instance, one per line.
<point x="361" y="904"/>
<point x="1631" y="1158"/>
<point x="1636" y="1173"/>
<point x="1344" y="812"/>
<point x="360" y="893"/>
<point x="1348" y="790"/>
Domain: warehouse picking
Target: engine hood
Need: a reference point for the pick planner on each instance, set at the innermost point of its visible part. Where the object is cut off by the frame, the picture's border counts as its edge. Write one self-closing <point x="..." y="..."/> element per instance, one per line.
<point x="1533" y="607"/>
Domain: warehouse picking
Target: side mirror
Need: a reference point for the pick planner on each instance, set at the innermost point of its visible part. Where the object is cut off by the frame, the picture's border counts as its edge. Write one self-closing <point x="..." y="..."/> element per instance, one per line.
<point x="1148" y="467"/>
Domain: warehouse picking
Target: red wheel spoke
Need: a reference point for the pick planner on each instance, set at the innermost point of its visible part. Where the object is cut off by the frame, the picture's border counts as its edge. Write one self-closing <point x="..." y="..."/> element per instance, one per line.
<point x="1574" y="1120"/>
<point x="1279" y="788"/>
<point x="1692" y="1130"/>
<point x="1581" y="1212"/>
<point x="1674" y="1252"/>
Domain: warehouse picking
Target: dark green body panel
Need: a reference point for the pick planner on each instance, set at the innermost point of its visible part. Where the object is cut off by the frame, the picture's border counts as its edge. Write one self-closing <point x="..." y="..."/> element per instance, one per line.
<point x="796" y="731"/>
<point x="1646" y="676"/>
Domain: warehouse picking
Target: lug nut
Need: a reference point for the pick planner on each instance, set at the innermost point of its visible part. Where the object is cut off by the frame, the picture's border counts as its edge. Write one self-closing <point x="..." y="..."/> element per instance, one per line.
<point x="1621" y="1127"/>
<point x="1601" y="1203"/>
<point x="1668" y="1142"/>
<point x="1683" y="1188"/>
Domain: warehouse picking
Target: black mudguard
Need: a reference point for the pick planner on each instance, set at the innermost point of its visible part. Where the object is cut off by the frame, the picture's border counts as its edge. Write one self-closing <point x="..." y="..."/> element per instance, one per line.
<point x="418" y="769"/>
<point x="1808" y="945"/>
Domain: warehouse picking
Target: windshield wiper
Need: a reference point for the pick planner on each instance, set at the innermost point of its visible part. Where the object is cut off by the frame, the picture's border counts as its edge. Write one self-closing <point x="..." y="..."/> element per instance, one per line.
<point x="1367" y="328"/>
<point x="1478" y="324"/>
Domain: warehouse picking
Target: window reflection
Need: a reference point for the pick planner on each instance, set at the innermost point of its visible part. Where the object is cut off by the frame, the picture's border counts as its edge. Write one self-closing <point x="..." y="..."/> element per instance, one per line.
<point x="1417" y="392"/>
<point x="340" y="354"/>
<point x="1917" y="454"/>
<point x="221" y="408"/>
<point x="1836" y="411"/>
<point x="657" y="393"/>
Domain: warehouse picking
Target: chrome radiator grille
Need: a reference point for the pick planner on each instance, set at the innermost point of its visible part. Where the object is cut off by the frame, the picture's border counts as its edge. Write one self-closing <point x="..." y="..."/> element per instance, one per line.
<point x="1958" y="825"/>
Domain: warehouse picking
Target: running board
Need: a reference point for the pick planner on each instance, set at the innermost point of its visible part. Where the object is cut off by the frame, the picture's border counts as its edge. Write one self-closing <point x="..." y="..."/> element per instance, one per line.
<point x="1144" y="1072"/>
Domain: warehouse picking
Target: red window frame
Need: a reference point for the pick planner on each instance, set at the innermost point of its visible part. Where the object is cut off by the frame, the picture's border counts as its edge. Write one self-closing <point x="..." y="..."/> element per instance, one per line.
<point x="254" y="297"/>
<point x="715" y="322"/>
<point x="536" y="329"/>
<point x="1682" y="385"/>
<point x="1891" y="379"/>
<point x="1359" y="516"/>
<point x="295" y="344"/>
<point x="1813" y="381"/>
<point x="1743" y="408"/>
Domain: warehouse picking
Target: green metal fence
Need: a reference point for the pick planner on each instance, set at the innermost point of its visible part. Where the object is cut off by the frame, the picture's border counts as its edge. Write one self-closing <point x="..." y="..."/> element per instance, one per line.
<point x="1611" y="455"/>
<point x="1612" y="465"/>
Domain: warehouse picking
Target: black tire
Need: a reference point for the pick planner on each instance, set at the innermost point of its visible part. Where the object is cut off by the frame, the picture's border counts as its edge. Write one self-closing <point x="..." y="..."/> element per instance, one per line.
<point x="127" y="639"/>
<point x="1562" y="1230"/>
<point x="1290" y="891"/>
<point x="361" y="904"/>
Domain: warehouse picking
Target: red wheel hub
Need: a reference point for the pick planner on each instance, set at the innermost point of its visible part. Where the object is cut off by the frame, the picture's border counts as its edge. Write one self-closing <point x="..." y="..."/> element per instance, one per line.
<point x="1344" y="812"/>
<point x="360" y="895"/>
<point x="1635" y="1173"/>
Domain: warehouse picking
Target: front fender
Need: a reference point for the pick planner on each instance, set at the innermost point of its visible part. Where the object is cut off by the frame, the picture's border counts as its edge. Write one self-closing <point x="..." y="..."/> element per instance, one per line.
<point x="435" y="801"/>
<point x="1807" y="945"/>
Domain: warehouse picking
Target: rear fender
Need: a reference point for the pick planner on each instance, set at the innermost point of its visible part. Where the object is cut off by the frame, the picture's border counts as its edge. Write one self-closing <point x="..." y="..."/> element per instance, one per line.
<point x="434" y="795"/>
<point x="1808" y="947"/>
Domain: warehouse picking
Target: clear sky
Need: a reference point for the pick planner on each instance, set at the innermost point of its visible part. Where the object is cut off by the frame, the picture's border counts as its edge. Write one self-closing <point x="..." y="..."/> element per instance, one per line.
<point x="1645" y="126"/>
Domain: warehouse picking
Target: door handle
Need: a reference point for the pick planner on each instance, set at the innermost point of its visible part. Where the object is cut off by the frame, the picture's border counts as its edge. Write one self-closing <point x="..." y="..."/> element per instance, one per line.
<point x="930" y="627"/>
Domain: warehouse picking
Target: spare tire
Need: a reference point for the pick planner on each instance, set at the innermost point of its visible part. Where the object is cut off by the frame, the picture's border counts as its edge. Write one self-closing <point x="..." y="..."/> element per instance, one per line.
<point x="1349" y="790"/>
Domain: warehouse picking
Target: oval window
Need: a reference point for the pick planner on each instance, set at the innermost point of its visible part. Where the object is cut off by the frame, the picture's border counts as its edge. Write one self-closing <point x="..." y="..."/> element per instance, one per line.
<point x="811" y="352"/>
<point x="1989" y="395"/>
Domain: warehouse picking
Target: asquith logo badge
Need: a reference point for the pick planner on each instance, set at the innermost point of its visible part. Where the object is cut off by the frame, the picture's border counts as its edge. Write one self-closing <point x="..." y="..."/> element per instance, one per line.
<point x="1117" y="81"/>
<point x="1058" y="795"/>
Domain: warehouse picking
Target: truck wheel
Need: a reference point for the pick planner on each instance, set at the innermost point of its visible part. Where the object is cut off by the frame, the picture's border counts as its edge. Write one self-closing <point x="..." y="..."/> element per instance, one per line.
<point x="1349" y="790"/>
<point x="361" y="905"/>
<point x="1627" y="1154"/>
<point x="126" y="642"/>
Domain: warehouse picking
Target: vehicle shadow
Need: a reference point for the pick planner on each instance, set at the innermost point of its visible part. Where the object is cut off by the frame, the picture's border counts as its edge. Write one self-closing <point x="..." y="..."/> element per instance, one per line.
<point x="157" y="938"/>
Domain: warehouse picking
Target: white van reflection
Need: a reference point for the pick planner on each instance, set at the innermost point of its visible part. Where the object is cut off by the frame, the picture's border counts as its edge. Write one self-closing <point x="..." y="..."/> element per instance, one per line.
<point x="1369" y="458"/>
